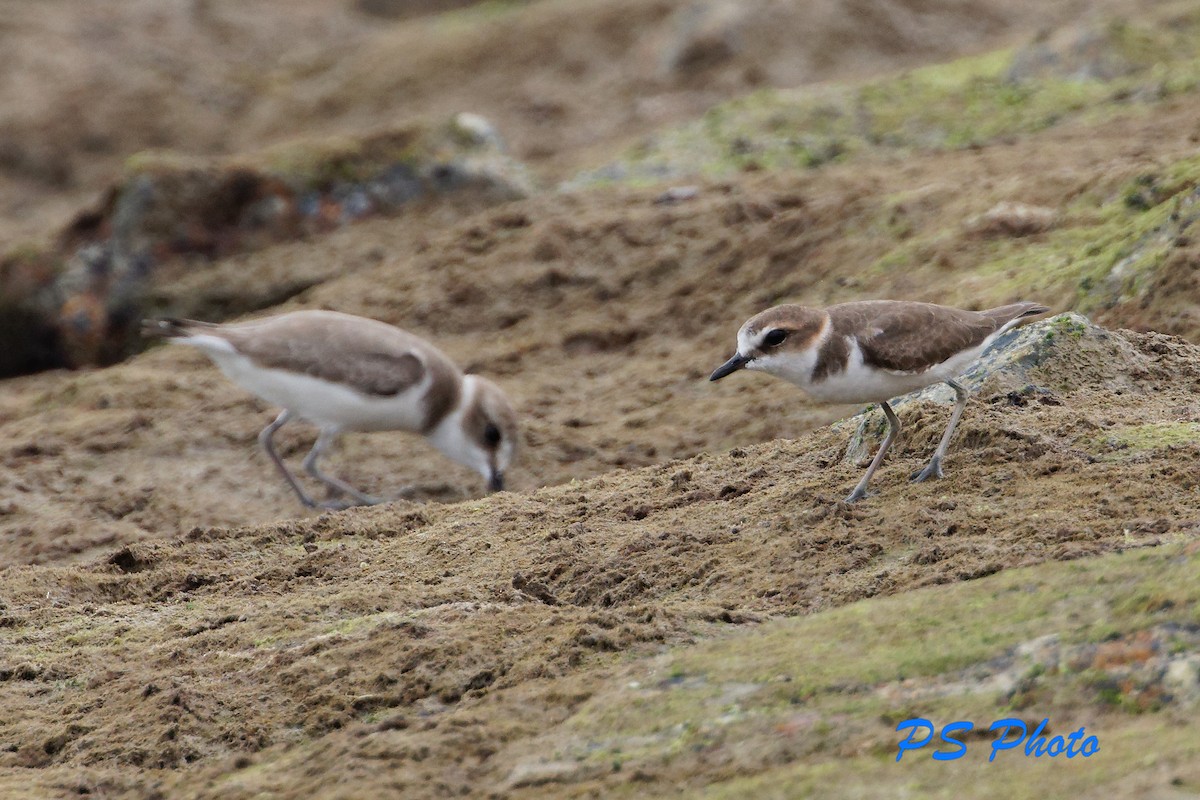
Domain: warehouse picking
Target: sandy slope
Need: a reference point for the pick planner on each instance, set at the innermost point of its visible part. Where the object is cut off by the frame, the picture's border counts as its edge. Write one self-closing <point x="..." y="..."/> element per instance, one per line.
<point x="173" y="625"/>
<point x="400" y="646"/>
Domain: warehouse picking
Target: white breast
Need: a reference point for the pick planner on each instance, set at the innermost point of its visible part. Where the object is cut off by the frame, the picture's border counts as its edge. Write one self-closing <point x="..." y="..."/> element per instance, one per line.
<point x="859" y="383"/>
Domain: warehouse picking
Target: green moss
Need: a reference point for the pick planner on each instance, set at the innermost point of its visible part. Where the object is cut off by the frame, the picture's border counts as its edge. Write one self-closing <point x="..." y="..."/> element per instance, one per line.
<point x="23" y="253"/>
<point x="1122" y="443"/>
<point x="324" y="162"/>
<point x="1123" y="751"/>
<point x="478" y="14"/>
<point x="315" y="163"/>
<point x="829" y="670"/>
<point x="1065" y="327"/>
<point x="1100" y="252"/>
<point x="964" y="103"/>
<point x="967" y="103"/>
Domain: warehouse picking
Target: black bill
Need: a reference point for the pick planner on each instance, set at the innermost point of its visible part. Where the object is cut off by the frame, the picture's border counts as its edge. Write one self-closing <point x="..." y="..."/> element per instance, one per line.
<point x="732" y="365"/>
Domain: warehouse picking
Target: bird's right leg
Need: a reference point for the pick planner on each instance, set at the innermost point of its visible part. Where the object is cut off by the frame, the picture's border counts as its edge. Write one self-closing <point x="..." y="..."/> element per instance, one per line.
<point x="860" y="491"/>
<point x="934" y="469"/>
<point x="266" y="439"/>
<point x="328" y="435"/>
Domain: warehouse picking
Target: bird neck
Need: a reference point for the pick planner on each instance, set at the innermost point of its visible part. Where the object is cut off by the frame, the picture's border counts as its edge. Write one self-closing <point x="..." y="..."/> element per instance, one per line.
<point x="450" y="437"/>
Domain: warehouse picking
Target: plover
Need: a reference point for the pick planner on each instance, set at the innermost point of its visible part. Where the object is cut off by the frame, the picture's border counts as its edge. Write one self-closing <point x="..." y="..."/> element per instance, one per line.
<point x="872" y="352"/>
<point x="347" y="373"/>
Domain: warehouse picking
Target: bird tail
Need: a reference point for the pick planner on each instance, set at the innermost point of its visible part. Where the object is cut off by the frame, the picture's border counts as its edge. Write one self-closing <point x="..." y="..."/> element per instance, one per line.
<point x="1016" y="313"/>
<point x="171" y="328"/>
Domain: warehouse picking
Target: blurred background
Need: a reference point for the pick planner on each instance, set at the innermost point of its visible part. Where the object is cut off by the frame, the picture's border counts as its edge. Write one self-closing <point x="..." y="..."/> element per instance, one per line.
<point x="84" y="86"/>
<point x="583" y="200"/>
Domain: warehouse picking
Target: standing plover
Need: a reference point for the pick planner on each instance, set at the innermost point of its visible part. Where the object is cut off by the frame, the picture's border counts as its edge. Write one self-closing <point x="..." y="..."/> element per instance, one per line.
<point x="871" y="352"/>
<point x="347" y="373"/>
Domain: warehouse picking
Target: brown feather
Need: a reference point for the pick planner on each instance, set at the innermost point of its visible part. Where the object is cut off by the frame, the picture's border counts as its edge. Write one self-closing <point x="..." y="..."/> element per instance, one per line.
<point x="911" y="337"/>
<point x="366" y="355"/>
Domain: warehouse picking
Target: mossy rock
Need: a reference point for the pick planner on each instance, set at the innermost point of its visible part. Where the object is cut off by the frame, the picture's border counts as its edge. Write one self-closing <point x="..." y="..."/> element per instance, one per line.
<point x="1090" y="69"/>
<point x="80" y="298"/>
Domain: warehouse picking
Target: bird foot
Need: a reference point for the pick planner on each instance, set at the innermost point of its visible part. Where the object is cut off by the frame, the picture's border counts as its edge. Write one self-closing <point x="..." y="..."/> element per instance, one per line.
<point x="335" y="498"/>
<point x="365" y="500"/>
<point x="858" y="494"/>
<point x="338" y="504"/>
<point x="932" y="470"/>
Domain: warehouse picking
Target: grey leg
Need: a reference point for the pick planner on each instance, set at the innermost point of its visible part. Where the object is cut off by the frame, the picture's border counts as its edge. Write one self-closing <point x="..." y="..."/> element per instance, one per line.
<point x="327" y="437"/>
<point x="860" y="491"/>
<point x="266" y="439"/>
<point x="934" y="468"/>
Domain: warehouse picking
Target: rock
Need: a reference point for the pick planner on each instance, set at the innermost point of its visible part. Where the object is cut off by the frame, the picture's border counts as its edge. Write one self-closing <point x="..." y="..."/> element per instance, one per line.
<point x="541" y="773"/>
<point x="1044" y="651"/>
<point x="1181" y="679"/>
<point x="1156" y="264"/>
<point x="78" y="302"/>
<point x="1036" y="359"/>
<point x="677" y="194"/>
<point x="704" y="34"/>
<point x="475" y="131"/>
<point x="1013" y="219"/>
<point x="1082" y="52"/>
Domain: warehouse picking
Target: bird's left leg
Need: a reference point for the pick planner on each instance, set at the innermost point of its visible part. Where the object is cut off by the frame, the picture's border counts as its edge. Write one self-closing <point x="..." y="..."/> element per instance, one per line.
<point x="934" y="468"/>
<point x="324" y="441"/>
<point x="860" y="491"/>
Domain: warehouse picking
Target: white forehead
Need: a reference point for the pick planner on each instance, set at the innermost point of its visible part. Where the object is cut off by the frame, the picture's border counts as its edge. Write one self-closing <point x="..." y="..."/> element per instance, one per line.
<point x="747" y="340"/>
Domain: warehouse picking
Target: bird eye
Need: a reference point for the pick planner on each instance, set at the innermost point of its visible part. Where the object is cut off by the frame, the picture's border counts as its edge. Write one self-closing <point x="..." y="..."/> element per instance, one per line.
<point x="491" y="434"/>
<point x="775" y="338"/>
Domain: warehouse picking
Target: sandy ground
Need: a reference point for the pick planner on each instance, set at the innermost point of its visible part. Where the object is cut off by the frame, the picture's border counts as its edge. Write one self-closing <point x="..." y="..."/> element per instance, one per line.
<point x="175" y="625"/>
<point x="613" y="311"/>
<point x="423" y="647"/>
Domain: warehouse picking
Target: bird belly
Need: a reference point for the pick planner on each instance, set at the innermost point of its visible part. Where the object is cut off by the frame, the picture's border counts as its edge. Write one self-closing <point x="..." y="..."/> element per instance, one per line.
<point x="324" y="403"/>
<point x="959" y="363"/>
<point x="859" y="383"/>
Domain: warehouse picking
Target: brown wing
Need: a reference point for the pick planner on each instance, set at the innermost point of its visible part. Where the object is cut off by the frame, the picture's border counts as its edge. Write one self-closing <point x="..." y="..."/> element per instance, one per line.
<point x="1005" y="314"/>
<point x="369" y="356"/>
<point x="911" y="337"/>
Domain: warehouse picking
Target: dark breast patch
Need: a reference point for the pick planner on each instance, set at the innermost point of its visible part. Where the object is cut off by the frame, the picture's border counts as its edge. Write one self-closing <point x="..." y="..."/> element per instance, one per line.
<point x="831" y="358"/>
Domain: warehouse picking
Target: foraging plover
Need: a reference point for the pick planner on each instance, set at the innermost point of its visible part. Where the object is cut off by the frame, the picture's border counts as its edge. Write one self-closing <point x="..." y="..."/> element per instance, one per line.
<point x="871" y="352"/>
<point x="347" y="373"/>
